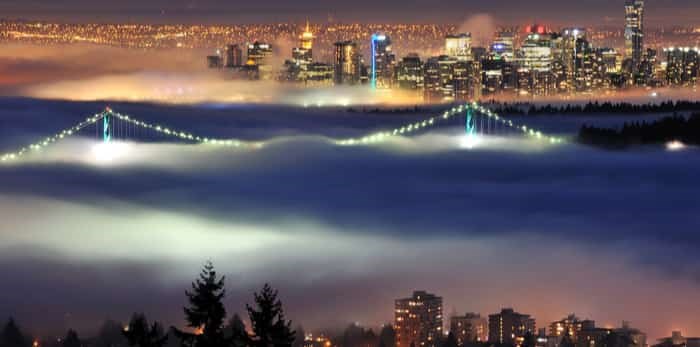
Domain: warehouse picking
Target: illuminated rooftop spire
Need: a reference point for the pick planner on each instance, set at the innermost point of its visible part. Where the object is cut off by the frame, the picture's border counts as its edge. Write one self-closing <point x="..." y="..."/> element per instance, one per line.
<point x="307" y="37"/>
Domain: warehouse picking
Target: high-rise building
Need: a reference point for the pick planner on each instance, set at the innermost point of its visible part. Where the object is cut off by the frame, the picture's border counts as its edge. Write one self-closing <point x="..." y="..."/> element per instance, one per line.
<point x="382" y="61"/>
<point x="347" y="64"/>
<point x="418" y="320"/>
<point x="459" y="46"/>
<point x="470" y="327"/>
<point x="303" y="55"/>
<point x="569" y="53"/>
<point x="510" y="327"/>
<point x="234" y="55"/>
<point x="682" y="66"/>
<point x="447" y="67"/>
<point x="409" y="72"/>
<point x="432" y="86"/>
<point x="504" y="45"/>
<point x="466" y="80"/>
<point x="535" y="60"/>
<point x="570" y="326"/>
<point x="634" y="32"/>
<point x="260" y="55"/>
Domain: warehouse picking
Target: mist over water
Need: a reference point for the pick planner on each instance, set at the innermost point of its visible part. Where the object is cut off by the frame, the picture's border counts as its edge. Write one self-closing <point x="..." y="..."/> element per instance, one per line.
<point x="608" y="235"/>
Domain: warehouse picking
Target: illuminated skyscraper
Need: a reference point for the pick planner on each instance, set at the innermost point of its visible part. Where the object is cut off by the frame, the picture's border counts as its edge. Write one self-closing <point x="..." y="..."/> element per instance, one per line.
<point x="535" y="60"/>
<point x="432" y="86"/>
<point x="346" y="64"/>
<point x="509" y="327"/>
<point x="303" y="55"/>
<point x="260" y="54"/>
<point x="503" y="45"/>
<point x="466" y="80"/>
<point x="459" y="46"/>
<point x="382" y="64"/>
<point x="568" y="54"/>
<point x="682" y="66"/>
<point x="418" y="320"/>
<point x="234" y="56"/>
<point x="409" y="72"/>
<point x="634" y="32"/>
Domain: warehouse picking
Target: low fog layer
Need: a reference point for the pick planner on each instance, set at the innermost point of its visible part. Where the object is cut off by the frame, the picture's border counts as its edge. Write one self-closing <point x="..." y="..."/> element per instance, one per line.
<point x="89" y="73"/>
<point x="342" y="231"/>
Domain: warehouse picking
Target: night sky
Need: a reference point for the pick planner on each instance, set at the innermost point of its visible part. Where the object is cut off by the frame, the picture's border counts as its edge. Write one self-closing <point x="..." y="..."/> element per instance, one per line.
<point x="581" y="12"/>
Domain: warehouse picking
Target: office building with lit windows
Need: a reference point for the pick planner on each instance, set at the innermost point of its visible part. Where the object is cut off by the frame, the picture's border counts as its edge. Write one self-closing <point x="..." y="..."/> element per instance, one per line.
<point x="346" y="63"/>
<point x="504" y="45"/>
<point x="682" y="66"/>
<point x="459" y="46"/>
<point x="418" y="320"/>
<point x="260" y="56"/>
<point x="409" y="72"/>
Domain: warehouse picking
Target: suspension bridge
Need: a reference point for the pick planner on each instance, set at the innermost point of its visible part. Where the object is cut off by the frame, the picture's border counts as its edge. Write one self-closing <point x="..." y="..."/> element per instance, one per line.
<point x="110" y="125"/>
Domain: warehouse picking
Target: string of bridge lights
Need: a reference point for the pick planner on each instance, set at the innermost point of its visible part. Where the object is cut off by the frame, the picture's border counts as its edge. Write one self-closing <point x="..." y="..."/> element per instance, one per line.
<point x="432" y="121"/>
<point x="184" y="135"/>
<point x="52" y="139"/>
<point x="365" y="140"/>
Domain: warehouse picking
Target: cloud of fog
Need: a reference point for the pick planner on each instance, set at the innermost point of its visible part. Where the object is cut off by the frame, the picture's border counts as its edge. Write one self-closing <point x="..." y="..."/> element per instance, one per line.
<point x="343" y="231"/>
<point x="482" y="26"/>
<point x="209" y="87"/>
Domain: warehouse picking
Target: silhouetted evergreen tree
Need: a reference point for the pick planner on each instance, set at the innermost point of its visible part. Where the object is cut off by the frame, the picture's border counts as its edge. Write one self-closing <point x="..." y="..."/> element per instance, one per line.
<point x="235" y="333"/>
<point x="206" y="312"/>
<point x="299" y="337"/>
<point x="139" y="334"/>
<point x="111" y="334"/>
<point x="71" y="339"/>
<point x="12" y="336"/>
<point x="268" y="323"/>
<point x="353" y="336"/>
<point x="387" y="336"/>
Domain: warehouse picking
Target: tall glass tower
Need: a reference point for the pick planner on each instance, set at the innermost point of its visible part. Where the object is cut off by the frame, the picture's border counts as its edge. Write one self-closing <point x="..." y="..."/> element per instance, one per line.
<point x="382" y="61"/>
<point x="634" y="32"/>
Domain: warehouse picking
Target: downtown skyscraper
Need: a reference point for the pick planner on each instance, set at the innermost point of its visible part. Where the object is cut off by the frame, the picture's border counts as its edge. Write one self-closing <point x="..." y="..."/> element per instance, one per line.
<point x="634" y="33"/>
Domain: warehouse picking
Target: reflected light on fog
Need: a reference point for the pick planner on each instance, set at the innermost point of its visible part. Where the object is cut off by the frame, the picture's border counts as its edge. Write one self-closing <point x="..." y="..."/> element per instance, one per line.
<point x="108" y="152"/>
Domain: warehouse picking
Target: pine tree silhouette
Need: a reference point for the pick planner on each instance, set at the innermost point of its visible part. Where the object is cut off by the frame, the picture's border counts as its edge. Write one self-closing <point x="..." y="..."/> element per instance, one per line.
<point x="206" y="312"/>
<point x="71" y="339"/>
<point x="270" y="329"/>
<point x="12" y="336"/>
<point x="139" y="334"/>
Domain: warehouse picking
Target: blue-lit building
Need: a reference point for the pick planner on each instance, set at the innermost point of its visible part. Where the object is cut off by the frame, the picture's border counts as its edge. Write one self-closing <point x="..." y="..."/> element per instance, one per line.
<point x="382" y="61"/>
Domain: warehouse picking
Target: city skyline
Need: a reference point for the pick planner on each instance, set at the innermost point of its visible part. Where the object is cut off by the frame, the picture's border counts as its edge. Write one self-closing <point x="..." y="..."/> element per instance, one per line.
<point x="591" y="12"/>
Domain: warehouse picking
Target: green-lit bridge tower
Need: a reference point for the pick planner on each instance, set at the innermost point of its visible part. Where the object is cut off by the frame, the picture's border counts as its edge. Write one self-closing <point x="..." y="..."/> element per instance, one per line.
<point x="106" y="128"/>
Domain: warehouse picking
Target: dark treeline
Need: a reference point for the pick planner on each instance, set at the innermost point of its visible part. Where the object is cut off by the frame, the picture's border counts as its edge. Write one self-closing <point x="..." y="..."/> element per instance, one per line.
<point x="205" y="316"/>
<point x="672" y="128"/>
<point x="414" y="109"/>
<point x="595" y="108"/>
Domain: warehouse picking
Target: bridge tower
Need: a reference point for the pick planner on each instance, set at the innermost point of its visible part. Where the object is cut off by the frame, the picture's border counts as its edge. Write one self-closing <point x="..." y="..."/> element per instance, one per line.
<point x="470" y="122"/>
<point x="106" y="128"/>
